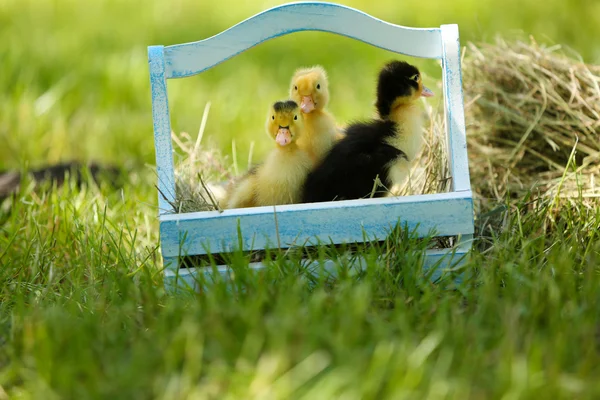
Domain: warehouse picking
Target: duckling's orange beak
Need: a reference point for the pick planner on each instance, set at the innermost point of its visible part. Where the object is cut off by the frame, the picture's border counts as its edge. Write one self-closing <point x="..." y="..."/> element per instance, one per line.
<point x="426" y="92"/>
<point x="284" y="136"/>
<point x="307" y="104"/>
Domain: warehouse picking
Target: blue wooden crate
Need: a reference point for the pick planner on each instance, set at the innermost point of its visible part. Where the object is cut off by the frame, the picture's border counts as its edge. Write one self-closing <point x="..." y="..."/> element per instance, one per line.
<point x="450" y="214"/>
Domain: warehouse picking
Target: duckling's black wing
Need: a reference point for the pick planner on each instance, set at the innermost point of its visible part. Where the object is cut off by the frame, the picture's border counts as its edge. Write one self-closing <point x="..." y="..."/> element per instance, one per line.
<point x="349" y="169"/>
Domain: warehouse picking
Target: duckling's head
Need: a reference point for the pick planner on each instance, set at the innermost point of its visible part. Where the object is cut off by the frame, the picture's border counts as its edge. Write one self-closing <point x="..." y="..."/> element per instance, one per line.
<point x="399" y="84"/>
<point x="284" y="122"/>
<point x="310" y="89"/>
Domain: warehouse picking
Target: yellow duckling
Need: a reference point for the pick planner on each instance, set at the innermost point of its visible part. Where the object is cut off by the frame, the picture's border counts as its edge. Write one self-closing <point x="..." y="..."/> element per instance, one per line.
<point x="280" y="178"/>
<point x="310" y="89"/>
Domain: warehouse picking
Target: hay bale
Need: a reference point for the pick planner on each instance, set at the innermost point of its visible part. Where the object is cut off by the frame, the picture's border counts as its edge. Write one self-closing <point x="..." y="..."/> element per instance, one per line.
<point x="533" y="113"/>
<point x="533" y="122"/>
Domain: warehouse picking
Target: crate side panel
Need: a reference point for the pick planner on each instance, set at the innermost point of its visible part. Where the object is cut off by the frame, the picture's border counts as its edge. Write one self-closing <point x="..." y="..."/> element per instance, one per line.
<point x="270" y="227"/>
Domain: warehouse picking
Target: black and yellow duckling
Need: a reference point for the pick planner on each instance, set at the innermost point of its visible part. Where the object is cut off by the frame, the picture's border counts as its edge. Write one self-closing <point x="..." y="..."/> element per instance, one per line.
<point x="309" y="88"/>
<point x="378" y="149"/>
<point x="280" y="178"/>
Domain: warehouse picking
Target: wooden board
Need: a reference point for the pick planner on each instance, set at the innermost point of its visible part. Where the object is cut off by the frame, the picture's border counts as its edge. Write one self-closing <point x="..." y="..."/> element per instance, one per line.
<point x="441" y="260"/>
<point x="454" y="109"/>
<point x="188" y="59"/>
<point x="332" y="222"/>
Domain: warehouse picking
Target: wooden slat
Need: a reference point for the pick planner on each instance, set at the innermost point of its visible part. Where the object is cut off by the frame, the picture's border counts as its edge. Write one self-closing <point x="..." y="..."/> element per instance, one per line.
<point x="441" y="260"/>
<point x="454" y="109"/>
<point x="192" y="58"/>
<point x="162" y="129"/>
<point x="333" y="222"/>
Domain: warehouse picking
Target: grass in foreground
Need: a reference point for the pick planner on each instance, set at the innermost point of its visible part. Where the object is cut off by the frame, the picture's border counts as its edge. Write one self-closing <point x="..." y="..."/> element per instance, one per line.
<point x="84" y="315"/>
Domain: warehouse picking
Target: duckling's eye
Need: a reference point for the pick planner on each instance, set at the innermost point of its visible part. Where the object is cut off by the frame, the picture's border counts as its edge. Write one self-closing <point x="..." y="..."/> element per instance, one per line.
<point x="295" y="87"/>
<point x="273" y="117"/>
<point x="295" y="117"/>
<point x="415" y="77"/>
<point x="318" y="86"/>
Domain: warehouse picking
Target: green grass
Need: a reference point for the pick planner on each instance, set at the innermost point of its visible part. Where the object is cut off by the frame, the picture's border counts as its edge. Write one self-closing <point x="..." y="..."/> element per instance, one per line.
<point x="84" y="314"/>
<point x="83" y="311"/>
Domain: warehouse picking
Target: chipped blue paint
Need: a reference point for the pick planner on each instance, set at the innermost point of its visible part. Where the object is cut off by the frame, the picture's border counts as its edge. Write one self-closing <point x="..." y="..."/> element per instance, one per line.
<point x="454" y="108"/>
<point x="333" y="222"/>
<point x="192" y="58"/>
<point x="162" y="129"/>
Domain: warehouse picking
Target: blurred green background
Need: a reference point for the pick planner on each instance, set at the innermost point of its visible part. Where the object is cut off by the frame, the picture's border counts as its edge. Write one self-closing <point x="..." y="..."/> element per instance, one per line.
<point x="74" y="76"/>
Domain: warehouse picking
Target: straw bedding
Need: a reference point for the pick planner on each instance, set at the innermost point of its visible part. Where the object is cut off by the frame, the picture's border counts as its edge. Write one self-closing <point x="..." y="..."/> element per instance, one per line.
<point x="533" y="124"/>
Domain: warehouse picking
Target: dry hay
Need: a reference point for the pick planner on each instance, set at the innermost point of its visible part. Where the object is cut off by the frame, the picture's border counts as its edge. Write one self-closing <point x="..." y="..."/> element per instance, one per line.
<point x="533" y="121"/>
<point x="201" y="174"/>
<point x="200" y="181"/>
